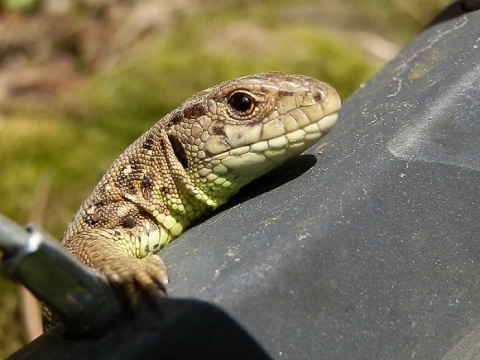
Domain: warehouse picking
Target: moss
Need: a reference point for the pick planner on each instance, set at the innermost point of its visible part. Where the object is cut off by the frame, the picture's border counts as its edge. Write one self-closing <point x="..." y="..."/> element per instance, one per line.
<point x="131" y="98"/>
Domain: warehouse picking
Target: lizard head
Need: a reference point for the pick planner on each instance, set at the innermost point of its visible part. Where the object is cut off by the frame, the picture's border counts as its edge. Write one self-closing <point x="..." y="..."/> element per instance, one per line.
<point x="232" y="133"/>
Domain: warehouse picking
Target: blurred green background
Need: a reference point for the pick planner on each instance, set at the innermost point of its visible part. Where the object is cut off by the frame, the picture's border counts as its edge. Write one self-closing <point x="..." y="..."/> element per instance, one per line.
<point x="80" y="80"/>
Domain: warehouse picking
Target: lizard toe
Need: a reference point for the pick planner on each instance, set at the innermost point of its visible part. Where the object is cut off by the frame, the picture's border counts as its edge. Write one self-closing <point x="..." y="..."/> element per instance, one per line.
<point x="131" y="276"/>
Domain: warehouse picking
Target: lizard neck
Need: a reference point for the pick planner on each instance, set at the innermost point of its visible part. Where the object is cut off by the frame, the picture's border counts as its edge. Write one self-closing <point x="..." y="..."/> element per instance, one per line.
<point x="189" y="202"/>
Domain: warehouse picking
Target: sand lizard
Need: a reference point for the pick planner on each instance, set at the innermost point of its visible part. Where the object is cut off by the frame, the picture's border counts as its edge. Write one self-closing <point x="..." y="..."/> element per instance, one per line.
<point x="189" y="163"/>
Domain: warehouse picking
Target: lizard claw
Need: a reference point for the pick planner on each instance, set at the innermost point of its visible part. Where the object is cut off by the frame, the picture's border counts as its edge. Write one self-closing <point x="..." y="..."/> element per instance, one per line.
<point x="130" y="275"/>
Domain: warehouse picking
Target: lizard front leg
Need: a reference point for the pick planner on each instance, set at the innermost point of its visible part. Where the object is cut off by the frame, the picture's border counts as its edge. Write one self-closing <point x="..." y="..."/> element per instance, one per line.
<point x="108" y="253"/>
<point x="109" y="256"/>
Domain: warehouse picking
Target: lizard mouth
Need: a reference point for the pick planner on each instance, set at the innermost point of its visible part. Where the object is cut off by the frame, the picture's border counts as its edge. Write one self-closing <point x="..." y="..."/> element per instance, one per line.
<point x="264" y="155"/>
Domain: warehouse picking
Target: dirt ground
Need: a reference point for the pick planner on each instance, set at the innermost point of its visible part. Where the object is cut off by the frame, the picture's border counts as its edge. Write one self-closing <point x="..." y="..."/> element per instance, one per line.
<point x="45" y="53"/>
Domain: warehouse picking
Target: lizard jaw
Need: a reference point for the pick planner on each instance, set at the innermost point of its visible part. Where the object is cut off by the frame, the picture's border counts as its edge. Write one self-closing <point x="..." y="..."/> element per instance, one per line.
<point x="262" y="156"/>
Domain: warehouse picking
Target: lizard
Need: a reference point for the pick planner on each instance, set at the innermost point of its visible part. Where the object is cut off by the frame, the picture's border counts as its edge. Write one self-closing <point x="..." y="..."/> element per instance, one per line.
<point x="190" y="162"/>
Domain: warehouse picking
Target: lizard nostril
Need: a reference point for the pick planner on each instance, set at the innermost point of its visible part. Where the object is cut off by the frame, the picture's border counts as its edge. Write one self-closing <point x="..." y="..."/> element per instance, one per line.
<point x="179" y="151"/>
<point x="318" y="95"/>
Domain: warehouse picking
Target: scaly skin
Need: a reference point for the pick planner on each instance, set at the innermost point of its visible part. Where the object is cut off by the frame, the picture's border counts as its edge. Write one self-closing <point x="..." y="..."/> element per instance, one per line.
<point x="189" y="163"/>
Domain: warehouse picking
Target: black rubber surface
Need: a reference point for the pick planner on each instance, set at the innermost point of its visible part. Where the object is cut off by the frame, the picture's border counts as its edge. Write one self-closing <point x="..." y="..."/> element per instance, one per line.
<point x="182" y="329"/>
<point x="374" y="252"/>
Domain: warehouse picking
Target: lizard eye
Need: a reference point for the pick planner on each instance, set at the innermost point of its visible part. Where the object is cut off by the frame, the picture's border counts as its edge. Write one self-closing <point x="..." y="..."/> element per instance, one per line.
<point x="242" y="103"/>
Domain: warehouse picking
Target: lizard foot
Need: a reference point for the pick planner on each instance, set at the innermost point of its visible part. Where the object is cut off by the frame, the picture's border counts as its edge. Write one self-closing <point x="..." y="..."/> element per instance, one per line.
<point x="148" y="275"/>
<point x="128" y="275"/>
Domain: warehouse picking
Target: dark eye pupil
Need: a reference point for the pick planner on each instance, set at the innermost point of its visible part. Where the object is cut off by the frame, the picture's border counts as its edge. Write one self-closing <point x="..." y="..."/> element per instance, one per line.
<point x="241" y="102"/>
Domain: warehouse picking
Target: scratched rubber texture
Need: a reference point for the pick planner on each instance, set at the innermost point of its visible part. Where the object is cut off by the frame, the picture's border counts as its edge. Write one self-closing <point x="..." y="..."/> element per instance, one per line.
<point x="374" y="251"/>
